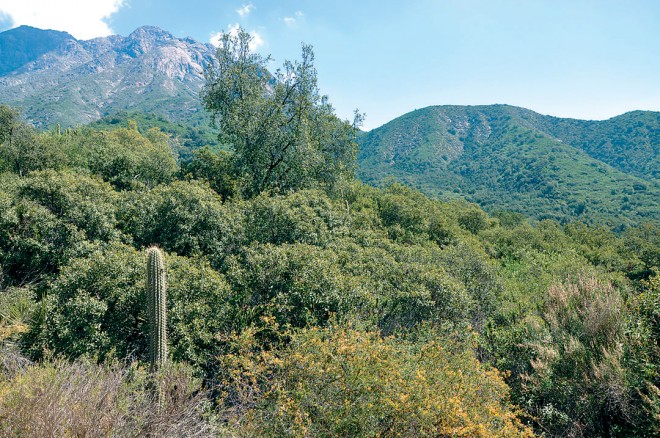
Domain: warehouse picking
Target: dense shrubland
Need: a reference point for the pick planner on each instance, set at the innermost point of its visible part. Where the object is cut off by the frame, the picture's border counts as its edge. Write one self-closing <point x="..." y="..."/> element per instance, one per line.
<point x="317" y="307"/>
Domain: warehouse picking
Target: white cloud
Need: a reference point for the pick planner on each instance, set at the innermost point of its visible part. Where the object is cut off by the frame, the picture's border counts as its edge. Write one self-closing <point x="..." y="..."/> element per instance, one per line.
<point x="290" y="21"/>
<point x="83" y="19"/>
<point x="245" y="9"/>
<point x="215" y="38"/>
<point x="257" y="41"/>
<point x="232" y="29"/>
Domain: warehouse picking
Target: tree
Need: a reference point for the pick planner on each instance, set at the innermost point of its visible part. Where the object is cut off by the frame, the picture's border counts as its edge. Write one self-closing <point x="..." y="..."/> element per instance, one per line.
<point x="284" y="133"/>
<point x="9" y="120"/>
<point x="22" y="150"/>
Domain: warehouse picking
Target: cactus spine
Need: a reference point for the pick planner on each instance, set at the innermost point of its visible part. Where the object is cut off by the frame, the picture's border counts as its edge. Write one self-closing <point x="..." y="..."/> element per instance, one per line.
<point x="156" y="307"/>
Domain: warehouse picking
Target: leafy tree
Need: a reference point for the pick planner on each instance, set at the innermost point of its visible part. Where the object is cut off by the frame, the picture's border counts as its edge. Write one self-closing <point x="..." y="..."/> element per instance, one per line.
<point x="298" y="285"/>
<point x="284" y="134"/>
<point x="86" y="202"/>
<point x="185" y="217"/>
<point x="214" y="167"/>
<point x="34" y="242"/>
<point x="9" y="120"/>
<point x="50" y="216"/>
<point x="123" y="157"/>
<point x="307" y="216"/>
<point x="21" y="148"/>
<point x="644" y="241"/>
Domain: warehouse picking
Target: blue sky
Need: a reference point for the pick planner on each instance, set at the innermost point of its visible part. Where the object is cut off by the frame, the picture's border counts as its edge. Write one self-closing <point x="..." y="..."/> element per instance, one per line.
<point x="589" y="59"/>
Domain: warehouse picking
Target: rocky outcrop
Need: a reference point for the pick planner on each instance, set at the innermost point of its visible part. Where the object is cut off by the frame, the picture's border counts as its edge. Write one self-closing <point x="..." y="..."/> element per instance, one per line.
<point x="72" y="82"/>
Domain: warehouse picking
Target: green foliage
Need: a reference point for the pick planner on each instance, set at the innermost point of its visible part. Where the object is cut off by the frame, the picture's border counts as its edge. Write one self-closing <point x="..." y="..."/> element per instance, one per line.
<point x="507" y="158"/>
<point x="21" y="148"/>
<point x="474" y="220"/>
<point x="321" y="257"/>
<point x="299" y="285"/>
<point x="16" y="308"/>
<point x="49" y="217"/>
<point x="628" y="142"/>
<point x="9" y="121"/>
<point x="124" y="157"/>
<point x="97" y="307"/>
<point x="646" y="352"/>
<point x="183" y="217"/>
<point x="84" y="201"/>
<point x="644" y="240"/>
<point x="579" y="380"/>
<point x="308" y="216"/>
<point x="284" y="134"/>
<point x="185" y="137"/>
<point x="410" y="216"/>
<point x="214" y="167"/>
<point x="157" y="308"/>
<point x="34" y="242"/>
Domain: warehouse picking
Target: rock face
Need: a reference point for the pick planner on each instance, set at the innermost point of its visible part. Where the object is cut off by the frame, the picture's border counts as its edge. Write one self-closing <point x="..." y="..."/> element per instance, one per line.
<point x="55" y="78"/>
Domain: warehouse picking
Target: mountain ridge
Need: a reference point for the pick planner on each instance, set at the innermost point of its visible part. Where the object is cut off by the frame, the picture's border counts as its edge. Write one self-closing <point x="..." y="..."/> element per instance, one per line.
<point x="79" y="81"/>
<point x="23" y="44"/>
<point x="511" y="158"/>
<point x="501" y="156"/>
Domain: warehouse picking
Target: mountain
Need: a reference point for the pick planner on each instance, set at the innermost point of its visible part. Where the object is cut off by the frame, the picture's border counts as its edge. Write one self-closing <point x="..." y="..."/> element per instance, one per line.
<point x="500" y="156"/>
<point x="629" y="142"/>
<point x="56" y="78"/>
<point x="25" y="44"/>
<point x="509" y="158"/>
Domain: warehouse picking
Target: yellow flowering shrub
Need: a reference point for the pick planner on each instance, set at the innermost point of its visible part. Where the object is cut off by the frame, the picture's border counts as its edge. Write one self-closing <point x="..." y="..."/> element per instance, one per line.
<point x="346" y="382"/>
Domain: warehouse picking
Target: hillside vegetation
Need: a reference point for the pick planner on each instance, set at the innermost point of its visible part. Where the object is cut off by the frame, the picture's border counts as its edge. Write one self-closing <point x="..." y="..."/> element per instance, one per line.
<point x="299" y="301"/>
<point x="508" y="158"/>
<point x="184" y="138"/>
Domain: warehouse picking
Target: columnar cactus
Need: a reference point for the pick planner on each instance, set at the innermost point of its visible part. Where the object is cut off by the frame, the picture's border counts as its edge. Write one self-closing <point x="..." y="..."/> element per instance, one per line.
<point x="156" y="307"/>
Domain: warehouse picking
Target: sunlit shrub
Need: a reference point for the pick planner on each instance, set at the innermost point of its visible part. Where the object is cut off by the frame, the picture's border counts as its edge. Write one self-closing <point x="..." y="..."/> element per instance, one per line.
<point x="346" y="382"/>
<point x="81" y="399"/>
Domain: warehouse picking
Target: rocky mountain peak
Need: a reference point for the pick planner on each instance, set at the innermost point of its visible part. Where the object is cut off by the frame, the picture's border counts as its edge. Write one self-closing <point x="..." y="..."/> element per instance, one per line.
<point x="146" y="38"/>
<point x="71" y="82"/>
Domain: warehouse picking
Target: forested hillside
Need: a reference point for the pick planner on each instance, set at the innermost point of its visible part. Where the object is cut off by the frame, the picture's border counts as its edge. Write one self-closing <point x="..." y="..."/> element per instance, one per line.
<point x="184" y="137"/>
<point x="508" y="158"/>
<point x="300" y="301"/>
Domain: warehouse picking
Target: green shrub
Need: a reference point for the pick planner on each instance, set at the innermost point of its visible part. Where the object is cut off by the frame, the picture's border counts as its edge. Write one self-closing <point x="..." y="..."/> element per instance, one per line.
<point x="580" y="380"/>
<point x="187" y="218"/>
<point x="96" y="307"/>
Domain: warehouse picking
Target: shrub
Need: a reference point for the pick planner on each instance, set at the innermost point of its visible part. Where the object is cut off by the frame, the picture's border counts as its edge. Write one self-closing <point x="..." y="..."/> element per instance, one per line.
<point x="307" y="216"/>
<point x="81" y="399"/>
<point x="579" y="384"/>
<point x="96" y="307"/>
<point x="345" y="382"/>
<point x="183" y="217"/>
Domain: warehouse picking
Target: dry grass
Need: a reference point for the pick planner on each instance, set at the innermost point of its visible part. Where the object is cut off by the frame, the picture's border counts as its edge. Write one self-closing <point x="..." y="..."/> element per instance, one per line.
<point x="86" y="400"/>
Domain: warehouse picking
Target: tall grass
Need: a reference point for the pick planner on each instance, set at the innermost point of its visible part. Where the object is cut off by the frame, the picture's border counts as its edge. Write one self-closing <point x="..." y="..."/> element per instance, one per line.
<point x="87" y="400"/>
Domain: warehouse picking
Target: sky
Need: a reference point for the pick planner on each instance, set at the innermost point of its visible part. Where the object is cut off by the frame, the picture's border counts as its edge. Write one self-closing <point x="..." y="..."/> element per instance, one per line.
<point x="586" y="59"/>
